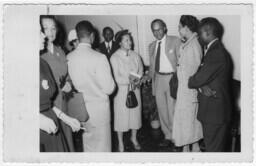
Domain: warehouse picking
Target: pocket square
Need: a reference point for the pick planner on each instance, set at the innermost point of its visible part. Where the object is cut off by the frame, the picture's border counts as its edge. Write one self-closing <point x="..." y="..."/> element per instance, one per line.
<point x="171" y="51"/>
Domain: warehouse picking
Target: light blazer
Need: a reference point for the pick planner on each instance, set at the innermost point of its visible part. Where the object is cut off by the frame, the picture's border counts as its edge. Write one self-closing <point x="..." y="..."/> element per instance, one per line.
<point x="90" y="73"/>
<point x="172" y="47"/>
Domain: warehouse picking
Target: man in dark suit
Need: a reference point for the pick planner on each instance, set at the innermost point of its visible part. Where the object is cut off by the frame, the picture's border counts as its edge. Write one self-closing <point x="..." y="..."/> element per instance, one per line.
<point x="108" y="46"/>
<point x="213" y="82"/>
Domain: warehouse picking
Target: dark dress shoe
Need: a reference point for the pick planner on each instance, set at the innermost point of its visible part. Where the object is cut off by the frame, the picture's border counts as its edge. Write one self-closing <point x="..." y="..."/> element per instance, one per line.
<point x="165" y="143"/>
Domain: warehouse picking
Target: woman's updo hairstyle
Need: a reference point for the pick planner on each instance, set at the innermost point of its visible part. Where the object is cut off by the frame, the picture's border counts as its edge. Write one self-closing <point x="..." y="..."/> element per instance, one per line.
<point x="190" y="21"/>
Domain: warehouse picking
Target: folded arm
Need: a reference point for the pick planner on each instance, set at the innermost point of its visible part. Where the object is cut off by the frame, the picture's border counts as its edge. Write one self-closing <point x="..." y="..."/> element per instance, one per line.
<point x="208" y="72"/>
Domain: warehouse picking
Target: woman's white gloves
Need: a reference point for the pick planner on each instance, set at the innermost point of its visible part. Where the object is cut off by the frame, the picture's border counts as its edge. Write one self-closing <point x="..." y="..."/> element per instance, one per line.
<point x="72" y="122"/>
<point x="47" y="124"/>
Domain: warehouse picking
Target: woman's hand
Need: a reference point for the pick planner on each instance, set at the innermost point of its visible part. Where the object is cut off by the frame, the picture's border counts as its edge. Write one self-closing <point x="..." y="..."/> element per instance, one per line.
<point x="131" y="79"/>
<point x="47" y="125"/>
<point x="146" y="78"/>
<point x="72" y="122"/>
<point x="67" y="87"/>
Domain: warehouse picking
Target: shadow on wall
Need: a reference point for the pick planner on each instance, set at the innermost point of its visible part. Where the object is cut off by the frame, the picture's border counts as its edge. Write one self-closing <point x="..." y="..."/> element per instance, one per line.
<point x="62" y="33"/>
<point x="96" y="42"/>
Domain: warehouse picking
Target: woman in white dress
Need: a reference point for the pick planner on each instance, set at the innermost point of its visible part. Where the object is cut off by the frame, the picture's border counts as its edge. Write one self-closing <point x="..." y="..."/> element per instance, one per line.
<point x="124" y="61"/>
<point x="186" y="128"/>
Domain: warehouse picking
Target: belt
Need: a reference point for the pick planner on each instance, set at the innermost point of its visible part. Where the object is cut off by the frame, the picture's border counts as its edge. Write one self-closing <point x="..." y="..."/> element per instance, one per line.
<point x="160" y="73"/>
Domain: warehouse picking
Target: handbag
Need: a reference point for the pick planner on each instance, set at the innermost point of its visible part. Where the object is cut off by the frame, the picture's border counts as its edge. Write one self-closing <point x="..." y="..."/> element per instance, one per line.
<point x="77" y="108"/>
<point x="174" y="85"/>
<point x="131" y="100"/>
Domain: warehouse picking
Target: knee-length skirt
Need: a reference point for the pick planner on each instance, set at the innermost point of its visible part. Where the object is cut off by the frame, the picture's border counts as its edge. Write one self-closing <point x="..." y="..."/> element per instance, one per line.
<point x="126" y="118"/>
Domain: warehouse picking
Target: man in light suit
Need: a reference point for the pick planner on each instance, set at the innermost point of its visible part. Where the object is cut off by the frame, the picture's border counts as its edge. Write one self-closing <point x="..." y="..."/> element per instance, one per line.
<point x="91" y="75"/>
<point x="163" y="53"/>
<point x="213" y="82"/>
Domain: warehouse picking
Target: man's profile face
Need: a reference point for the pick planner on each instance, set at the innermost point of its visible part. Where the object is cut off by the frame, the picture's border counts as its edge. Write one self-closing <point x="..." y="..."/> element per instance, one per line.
<point x="158" y="30"/>
<point x="204" y="35"/>
<point x="108" y="35"/>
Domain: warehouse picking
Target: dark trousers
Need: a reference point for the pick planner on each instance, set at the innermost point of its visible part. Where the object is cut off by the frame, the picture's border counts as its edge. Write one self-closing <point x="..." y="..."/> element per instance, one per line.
<point x="215" y="136"/>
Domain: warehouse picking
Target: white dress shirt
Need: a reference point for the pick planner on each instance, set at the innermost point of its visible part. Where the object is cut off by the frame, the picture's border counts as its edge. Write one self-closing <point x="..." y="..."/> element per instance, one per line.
<point x="108" y="44"/>
<point x="165" y="65"/>
<point x="209" y="45"/>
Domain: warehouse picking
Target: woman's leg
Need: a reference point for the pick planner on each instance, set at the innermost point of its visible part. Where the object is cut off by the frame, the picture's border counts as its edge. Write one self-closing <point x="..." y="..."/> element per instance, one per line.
<point x="134" y="139"/>
<point x="186" y="148"/>
<point x="195" y="147"/>
<point x="120" y="141"/>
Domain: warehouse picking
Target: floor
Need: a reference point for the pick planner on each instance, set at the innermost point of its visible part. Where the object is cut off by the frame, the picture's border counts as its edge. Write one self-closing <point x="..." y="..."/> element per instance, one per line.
<point x="148" y="138"/>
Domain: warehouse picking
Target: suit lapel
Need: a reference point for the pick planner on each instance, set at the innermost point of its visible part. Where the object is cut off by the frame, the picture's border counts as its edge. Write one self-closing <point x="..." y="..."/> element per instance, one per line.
<point x="152" y="54"/>
<point x="215" y="44"/>
<point x="168" y="46"/>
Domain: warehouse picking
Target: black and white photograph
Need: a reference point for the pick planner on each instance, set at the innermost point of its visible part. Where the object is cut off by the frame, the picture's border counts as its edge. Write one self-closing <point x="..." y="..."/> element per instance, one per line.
<point x="128" y="83"/>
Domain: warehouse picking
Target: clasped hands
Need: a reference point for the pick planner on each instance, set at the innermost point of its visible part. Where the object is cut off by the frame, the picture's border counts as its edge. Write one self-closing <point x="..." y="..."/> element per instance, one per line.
<point x="207" y="91"/>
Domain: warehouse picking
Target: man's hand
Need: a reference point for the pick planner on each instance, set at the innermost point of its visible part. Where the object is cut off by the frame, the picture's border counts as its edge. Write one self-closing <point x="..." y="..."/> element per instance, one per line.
<point x="207" y="91"/>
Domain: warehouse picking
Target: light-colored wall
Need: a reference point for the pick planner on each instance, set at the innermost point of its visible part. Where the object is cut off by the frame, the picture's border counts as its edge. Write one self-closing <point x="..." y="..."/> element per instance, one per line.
<point x="139" y="26"/>
<point x="101" y="21"/>
<point x="231" y="37"/>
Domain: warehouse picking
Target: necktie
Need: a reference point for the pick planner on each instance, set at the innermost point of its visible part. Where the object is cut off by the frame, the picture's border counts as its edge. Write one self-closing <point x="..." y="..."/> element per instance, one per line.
<point x="108" y="49"/>
<point x="157" y="65"/>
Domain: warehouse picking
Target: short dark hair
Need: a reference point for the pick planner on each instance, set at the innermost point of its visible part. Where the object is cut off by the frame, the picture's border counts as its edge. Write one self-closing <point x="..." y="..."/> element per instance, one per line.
<point x="215" y="26"/>
<point x="161" y="22"/>
<point x="190" y="21"/>
<point x="84" y="29"/>
<point x="107" y="28"/>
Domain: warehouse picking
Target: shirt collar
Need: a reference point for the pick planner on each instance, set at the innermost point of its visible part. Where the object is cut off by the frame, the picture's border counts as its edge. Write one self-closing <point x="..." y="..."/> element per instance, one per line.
<point x="110" y="43"/>
<point x="84" y="45"/>
<point x="162" y="40"/>
<point x="194" y="35"/>
<point x="208" y="46"/>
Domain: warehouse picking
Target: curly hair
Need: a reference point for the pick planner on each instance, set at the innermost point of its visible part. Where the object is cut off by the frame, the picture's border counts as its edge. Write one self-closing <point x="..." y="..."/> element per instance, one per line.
<point x="190" y="21"/>
<point x="119" y="35"/>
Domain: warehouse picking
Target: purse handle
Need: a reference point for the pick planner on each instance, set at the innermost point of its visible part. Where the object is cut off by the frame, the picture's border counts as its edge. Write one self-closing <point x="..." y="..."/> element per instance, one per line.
<point x="130" y="87"/>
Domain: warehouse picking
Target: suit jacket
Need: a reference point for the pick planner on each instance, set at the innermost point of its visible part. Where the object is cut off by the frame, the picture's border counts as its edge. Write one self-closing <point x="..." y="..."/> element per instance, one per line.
<point x="172" y="47"/>
<point x="102" y="48"/>
<point x="216" y="72"/>
<point x="90" y="73"/>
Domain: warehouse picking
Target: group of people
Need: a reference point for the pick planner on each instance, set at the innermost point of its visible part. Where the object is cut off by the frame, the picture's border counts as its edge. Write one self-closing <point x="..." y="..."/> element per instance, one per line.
<point x="201" y="109"/>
